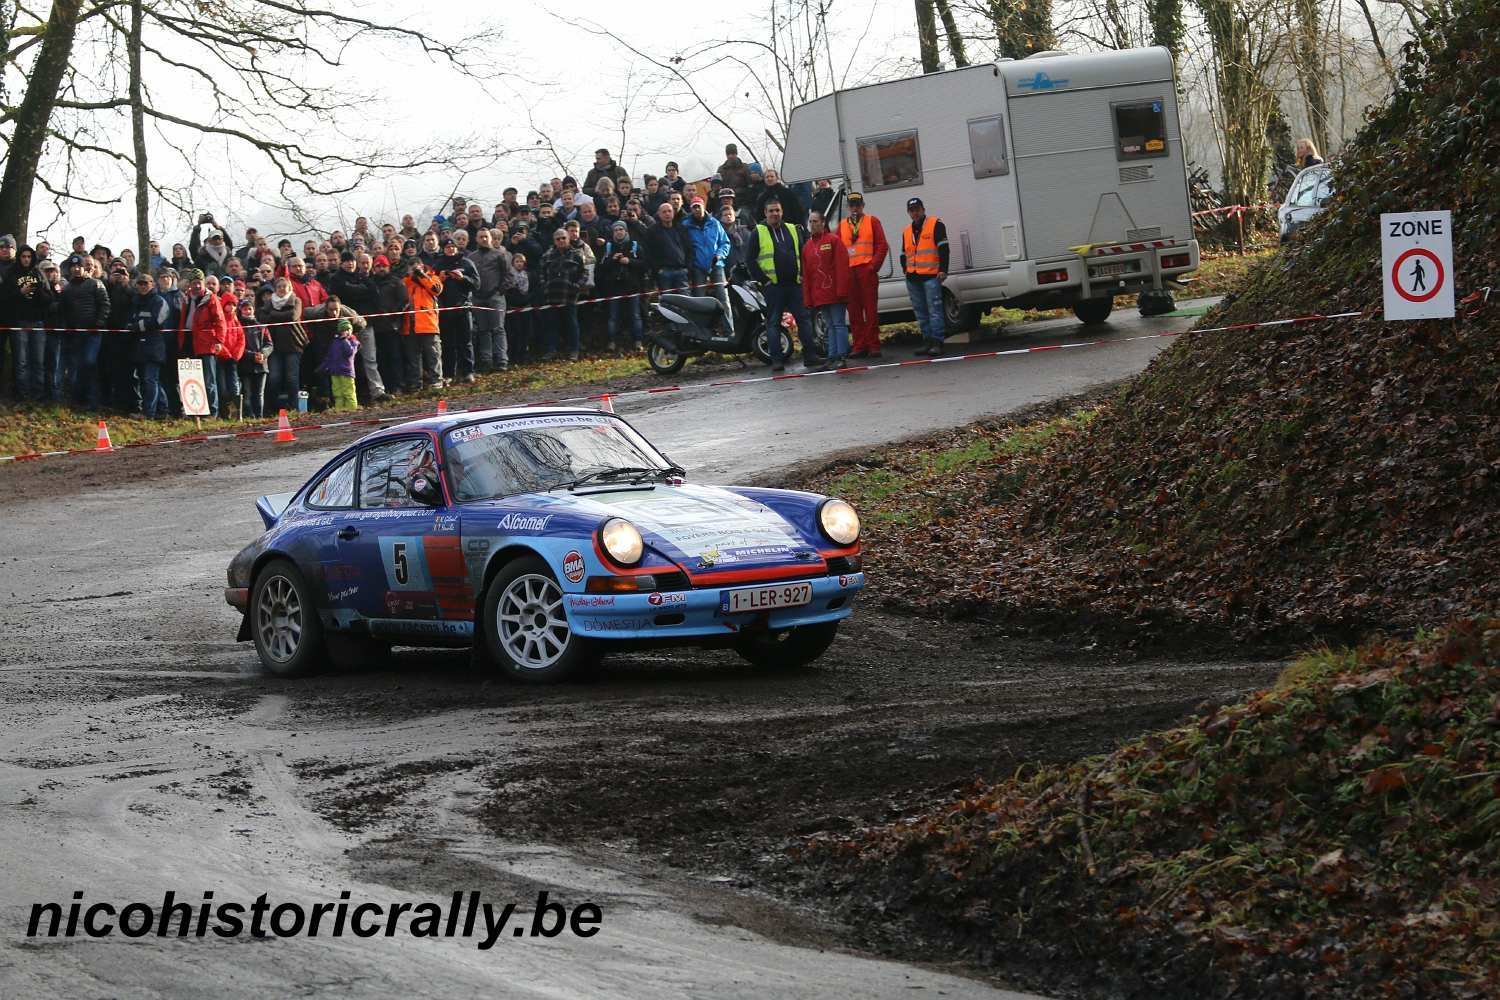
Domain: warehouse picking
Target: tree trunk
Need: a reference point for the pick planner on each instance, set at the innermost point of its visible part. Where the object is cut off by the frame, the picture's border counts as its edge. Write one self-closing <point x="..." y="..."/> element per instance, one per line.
<point x="950" y="31"/>
<point x="927" y="36"/>
<point x="138" y="134"/>
<point x="1022" y="27"/>
<point x="29" y="137"/>
<point x="1309" y="60"/>
<point x="1166" y="24"/>
<point x="1245" y="101"/>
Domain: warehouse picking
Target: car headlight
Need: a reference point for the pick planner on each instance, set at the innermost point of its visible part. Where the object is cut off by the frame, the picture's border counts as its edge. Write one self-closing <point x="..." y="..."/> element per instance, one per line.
<point x="839" y="521"/>
<point x="622" y="541"/>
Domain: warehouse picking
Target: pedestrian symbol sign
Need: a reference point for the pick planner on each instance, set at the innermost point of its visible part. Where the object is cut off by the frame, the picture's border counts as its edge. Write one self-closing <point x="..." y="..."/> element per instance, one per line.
<point x="1416" y="252"/>
<point x="190" y="387"/>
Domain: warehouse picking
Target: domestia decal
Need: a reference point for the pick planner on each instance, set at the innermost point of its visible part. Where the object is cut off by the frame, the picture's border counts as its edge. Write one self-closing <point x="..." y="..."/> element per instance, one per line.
<point x="573" y="566"/>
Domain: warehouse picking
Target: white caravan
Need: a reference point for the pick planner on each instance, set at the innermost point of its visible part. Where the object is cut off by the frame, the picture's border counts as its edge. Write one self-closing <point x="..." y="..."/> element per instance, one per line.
<point x="1061" y="178"/>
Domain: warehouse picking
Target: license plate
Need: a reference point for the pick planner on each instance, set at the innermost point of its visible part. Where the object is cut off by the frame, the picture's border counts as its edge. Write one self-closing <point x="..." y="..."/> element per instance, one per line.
<point x="785" y="595"/>
<point x="1104" y="270"/>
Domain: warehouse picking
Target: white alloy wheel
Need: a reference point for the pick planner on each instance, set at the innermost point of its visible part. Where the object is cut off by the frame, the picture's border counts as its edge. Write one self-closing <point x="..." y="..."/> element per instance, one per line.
<point x="531" y="623"/>
<point x="278" y="619"/>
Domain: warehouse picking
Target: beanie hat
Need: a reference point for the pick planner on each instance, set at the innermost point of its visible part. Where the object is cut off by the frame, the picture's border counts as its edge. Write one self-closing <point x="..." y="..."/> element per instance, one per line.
<point x="381" y="259"/>
<point x="755" y="168"/>
<point x="8" y="241"/>
<point x="345" y="326"/>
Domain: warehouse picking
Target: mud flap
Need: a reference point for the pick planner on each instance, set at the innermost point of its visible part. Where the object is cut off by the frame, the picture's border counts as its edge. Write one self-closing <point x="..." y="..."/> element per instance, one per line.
<point x="243" y="635"/>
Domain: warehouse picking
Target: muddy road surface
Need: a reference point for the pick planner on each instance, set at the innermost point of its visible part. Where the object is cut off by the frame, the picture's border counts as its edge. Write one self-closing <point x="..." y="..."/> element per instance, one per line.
<point x="143" y="751"/>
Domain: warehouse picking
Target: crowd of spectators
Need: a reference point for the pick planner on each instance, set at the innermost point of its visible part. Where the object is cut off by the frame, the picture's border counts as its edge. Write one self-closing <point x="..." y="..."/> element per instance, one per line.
<point x="380" y="310"/>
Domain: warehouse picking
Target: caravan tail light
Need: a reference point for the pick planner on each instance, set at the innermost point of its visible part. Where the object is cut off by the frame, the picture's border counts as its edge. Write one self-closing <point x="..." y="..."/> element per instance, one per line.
<point x="1051" y="277"/>
<point x="1177" y="260"/>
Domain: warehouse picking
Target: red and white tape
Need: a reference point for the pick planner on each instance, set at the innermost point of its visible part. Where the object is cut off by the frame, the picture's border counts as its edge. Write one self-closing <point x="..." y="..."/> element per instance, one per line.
<point x="270" y="432"/>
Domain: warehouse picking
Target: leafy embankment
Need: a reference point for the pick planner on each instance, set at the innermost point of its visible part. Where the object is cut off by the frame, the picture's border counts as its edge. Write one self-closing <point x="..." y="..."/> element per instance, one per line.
<point x="1320" y="479"/>
<point x="1336" y="836"/>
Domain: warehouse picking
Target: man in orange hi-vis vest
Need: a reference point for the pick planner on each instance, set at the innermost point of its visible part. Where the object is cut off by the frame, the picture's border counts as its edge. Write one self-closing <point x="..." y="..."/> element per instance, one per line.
<point x="924" y="258"/>
<point x="865" y="238"/>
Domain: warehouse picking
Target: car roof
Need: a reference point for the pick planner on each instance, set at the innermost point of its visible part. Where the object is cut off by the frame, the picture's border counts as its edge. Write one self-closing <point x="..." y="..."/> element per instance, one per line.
<point x="442" y="422"/>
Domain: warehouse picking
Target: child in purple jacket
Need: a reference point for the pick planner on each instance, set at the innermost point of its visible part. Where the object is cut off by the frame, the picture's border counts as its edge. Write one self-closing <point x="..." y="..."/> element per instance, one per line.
<point x="338" y="364"/>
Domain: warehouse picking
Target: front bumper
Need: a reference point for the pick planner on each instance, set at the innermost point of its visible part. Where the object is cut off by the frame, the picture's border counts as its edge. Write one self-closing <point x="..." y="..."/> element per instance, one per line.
<point x="696" y="614"/>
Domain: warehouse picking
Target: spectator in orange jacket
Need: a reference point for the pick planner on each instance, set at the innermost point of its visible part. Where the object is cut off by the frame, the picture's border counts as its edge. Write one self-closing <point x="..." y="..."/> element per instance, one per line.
<point x="865" y="237"/>
<point x="825" y="286"/>
<point x="203" y="328"/>
<point x="421" y="351"/>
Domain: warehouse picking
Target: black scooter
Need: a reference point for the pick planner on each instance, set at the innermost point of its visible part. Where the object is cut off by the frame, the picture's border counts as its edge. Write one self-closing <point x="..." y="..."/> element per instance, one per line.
<point x="695" y="325"/>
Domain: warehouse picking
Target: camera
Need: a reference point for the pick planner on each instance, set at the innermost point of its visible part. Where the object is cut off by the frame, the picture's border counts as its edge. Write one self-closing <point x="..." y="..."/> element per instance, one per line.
<point x="205" y="218"/>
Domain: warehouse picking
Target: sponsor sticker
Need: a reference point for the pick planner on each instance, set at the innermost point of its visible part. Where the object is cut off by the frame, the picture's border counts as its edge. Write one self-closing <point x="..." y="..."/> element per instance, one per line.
<point x="525" y="522"/>
<point x="658" y="600"/>
<point x="573" y="566"/>
<point x="591" y="601"/>
<point x="615" y="624"/>
<point x="463" y="434"/>
<point x="843" y="581"/>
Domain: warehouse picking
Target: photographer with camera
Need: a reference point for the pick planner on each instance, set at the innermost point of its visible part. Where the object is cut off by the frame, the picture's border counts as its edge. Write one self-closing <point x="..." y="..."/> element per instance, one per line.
<point x="209" y="245"/>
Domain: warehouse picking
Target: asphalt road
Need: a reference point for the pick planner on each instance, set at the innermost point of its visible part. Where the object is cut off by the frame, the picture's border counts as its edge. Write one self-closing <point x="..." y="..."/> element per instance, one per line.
<point x="141" y="749"/>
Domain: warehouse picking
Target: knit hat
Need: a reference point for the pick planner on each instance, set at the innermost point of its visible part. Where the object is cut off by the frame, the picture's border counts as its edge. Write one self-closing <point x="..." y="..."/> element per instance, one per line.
<point x="345" y="326"/>
<point x="381" y="260"/>
<point x="449" y="241"/>
<point x="620" y="226"/>
<point x="8" y="241"/>
<point x="755" y="168"/>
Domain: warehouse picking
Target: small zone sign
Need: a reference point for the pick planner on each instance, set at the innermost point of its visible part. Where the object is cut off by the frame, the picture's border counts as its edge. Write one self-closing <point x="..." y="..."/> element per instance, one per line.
<point x="1416" y="252"/>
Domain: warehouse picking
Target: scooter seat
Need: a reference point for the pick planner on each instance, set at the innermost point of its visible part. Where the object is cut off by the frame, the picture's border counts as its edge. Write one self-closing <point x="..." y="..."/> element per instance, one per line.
<point x="693" y="303"/>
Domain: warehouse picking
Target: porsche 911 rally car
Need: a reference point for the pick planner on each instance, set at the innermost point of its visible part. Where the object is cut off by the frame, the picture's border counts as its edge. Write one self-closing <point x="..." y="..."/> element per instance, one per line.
<point x="542" y="537"/>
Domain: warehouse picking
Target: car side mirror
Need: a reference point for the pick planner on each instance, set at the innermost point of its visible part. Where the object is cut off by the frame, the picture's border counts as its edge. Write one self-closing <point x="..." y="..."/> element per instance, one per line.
<point x="423" y="488"/>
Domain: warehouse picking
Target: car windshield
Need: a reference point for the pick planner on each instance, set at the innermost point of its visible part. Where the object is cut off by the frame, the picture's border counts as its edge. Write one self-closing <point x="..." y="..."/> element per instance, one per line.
<point x="1310" y="189"/>
<point x="504" y="457"/>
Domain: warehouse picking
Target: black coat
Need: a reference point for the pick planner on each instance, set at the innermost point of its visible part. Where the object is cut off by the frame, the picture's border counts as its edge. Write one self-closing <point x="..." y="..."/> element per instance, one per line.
<point x="84" y="304"/>
<point x="391" y="297"/>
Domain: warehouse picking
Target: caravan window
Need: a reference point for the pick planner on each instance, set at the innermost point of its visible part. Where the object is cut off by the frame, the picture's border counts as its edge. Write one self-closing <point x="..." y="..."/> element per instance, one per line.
<point x="987" y="146"/>
<point x="890" y="161"/>
<point x="1140" y="130"/>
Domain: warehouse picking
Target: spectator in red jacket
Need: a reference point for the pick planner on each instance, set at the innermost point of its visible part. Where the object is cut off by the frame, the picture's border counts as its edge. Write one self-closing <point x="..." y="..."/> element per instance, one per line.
<point x="825" y="286"/>
<point x="227" y="358"/>
<point x="203" y="331"/>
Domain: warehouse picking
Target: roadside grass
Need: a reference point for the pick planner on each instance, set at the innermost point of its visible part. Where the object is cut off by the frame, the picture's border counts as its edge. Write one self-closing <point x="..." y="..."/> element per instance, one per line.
<point x="47" y="427"/>
<point x="909" y="486"/>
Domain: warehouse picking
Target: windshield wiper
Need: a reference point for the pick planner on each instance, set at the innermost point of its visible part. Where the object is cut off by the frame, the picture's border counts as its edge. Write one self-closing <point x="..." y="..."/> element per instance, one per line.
<point x="631" y="472"/>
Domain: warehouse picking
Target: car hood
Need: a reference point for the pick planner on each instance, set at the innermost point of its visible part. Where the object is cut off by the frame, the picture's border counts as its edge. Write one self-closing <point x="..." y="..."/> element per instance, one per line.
<point x="698" y="527"/>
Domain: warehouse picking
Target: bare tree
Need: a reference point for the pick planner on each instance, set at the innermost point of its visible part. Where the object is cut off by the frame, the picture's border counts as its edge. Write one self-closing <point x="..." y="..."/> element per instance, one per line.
<point x="264" y="75"/>
<point x="1307" y="55"/>
<point x="927" y="42"/>
<point x="954" y="37"/>
<point x="1246" y="46"/>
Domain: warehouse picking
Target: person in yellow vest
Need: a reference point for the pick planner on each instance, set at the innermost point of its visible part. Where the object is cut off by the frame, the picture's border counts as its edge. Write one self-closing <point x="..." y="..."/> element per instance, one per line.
<point x="776" y="262"/>
<point x="924" y="258"/>
<point x="865" y="237"/>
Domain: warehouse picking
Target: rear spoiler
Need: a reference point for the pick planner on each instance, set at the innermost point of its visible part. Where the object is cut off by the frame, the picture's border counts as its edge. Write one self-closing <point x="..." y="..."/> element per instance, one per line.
<point x="271" y="507"/>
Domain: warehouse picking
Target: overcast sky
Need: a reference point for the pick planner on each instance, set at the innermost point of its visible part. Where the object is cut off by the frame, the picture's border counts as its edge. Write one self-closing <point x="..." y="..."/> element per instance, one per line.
<point x="575" y="79"/>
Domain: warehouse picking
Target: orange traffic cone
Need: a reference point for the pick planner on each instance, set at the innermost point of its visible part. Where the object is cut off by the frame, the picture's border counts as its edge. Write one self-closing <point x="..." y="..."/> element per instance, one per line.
<point x="284" y="429"/>
<point x="103" y="442"/>
<point x="442" y="406"/>
<point x="606" y="404"/>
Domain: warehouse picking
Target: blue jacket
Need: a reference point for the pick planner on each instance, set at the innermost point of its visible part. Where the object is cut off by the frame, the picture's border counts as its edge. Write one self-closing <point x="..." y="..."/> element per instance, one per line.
<point x="148" y="328"/>
<point x="710" y="242"/>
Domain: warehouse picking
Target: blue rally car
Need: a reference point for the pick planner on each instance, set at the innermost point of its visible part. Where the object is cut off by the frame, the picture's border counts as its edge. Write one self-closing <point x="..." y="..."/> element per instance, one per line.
<point x="543" y="537"/>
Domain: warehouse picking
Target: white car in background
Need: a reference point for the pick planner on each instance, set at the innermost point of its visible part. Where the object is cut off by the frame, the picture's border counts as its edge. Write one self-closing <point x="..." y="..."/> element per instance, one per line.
<point x="1310" y="191"/>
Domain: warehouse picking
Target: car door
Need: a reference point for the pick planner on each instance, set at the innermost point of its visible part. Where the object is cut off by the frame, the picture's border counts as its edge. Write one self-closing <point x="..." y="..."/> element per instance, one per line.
<point x="413" y="549"/>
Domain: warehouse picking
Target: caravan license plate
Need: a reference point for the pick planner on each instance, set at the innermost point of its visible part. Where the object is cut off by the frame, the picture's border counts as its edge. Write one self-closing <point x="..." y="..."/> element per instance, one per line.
<point x="786" y="595"/>
<point x="1104" y="270"/>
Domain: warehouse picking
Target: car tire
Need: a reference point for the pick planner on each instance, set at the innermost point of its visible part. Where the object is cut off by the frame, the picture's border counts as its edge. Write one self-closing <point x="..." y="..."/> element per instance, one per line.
<point x="788" y="648"/>
<point x="526" y="626"/>
<point x="960" y="316"/>
<point x="1154" y="303"/>
<point x="284" y="622"/>
<point x="1092" y="312"/>
<point x="664" y="361"/>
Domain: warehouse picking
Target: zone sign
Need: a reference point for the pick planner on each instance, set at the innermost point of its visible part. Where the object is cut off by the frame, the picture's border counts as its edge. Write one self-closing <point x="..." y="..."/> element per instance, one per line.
<point x="1416" y="253"/>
